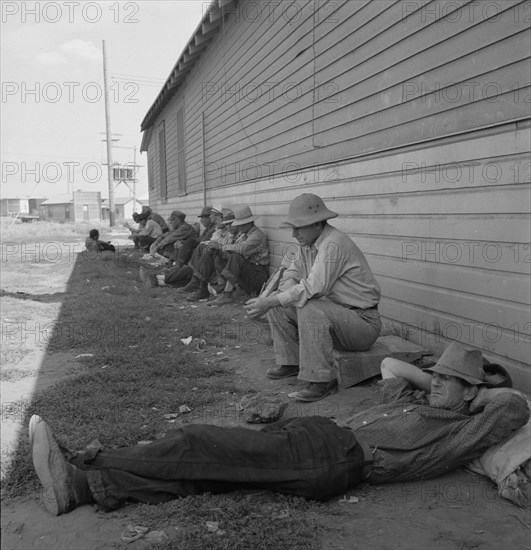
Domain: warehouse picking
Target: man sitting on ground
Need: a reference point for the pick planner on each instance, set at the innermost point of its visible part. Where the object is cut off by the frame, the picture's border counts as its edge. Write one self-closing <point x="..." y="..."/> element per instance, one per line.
<point x="191" y="253"/>
<point x="211" y="258"/>
<point x="247" y="267"/>
<point x="147" y="233"/>
<point x="168" y="245"/>
<point x="411" y="436"/>
<point x="332" y="301"/>
<point x="93" y="243"/>
<point x="148" y="214"/>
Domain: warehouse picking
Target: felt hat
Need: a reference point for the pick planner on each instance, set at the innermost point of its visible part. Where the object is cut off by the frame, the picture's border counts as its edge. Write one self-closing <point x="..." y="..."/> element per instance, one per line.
<point x="205" y="212"/>
<point x="307" y="209"/>
<point x="461" y="363"/>
<point x="135" y="216"/>
<point x="177" y="214"/>
<point x="243" y="215"/>
<point x="228" y="216"/>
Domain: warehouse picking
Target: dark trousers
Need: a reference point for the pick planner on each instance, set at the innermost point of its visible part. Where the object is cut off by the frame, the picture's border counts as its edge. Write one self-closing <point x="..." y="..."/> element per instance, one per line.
<point x="248" y="275"/>
<point x="184" y="254"/>
<point x="308" y="456"/>
<point x="212" y="260"/>
<point x="143" y="241"/>
<point x="102" y="245"/>
<point x="178" y="275"/>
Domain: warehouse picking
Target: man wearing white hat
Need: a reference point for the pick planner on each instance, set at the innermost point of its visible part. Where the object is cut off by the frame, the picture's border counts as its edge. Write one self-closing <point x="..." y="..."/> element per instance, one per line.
<point x="332" y="302"/>
<point x="247" y="267"/>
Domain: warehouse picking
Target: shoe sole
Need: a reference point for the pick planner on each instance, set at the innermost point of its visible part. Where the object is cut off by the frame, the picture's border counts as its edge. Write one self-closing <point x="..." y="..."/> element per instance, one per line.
<point x="281" y="377"/>
<point x="50" y="465"/>
<point x="142" y="274"/>
<point x="311" y="399"/>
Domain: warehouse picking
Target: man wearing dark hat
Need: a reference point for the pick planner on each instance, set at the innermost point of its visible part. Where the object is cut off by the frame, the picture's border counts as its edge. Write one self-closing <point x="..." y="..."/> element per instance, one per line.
<point x="147" y="233"/>
<point x="247" y="267"/>
<point x="411" y="437"/>
<point x="168" y="245"/>
<point x="148" y="214"/>
<point x="332" y="301"/>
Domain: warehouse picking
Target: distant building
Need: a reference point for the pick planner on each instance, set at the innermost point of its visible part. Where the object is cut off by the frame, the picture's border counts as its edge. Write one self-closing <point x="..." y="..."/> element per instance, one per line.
<point x="15" y="206"/>
<point x="123" y="207"/>
<point x="75" y="207"/>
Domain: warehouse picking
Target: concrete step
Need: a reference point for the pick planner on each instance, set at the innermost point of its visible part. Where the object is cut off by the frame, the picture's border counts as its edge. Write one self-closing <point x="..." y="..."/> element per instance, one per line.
<point x="354" y="367"/>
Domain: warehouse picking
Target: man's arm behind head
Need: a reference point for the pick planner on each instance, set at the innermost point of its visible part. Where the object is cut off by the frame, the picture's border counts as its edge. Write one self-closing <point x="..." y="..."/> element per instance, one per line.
<point x="394" y="368"/>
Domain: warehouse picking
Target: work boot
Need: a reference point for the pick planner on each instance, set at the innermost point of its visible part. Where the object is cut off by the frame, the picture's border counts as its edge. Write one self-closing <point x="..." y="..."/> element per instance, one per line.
<point x="315" y="391"/>
<point x="284" y="371"/>
<point x="201" y="294"/>
<point x="64" y="486"/>
<point x="192" y="285"/>
<point x="149" y="280"/>
<point x="222" y="299"/>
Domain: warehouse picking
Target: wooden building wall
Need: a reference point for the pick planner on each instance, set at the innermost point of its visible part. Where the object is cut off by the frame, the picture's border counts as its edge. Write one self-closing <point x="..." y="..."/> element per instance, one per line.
<point x="411" y="119"/>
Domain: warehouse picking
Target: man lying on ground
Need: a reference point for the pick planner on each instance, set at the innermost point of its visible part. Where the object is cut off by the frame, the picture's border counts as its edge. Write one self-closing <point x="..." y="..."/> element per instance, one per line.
<point x="333" y="301"/>
<point x="411" y="436"/>
<point x="93" y="243"/>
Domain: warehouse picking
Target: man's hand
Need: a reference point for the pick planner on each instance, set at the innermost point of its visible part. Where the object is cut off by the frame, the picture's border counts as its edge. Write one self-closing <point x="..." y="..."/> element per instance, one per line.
<point x="478" y="403"/>
<point x="486" y="395"/>
<point x="256" y="307"/>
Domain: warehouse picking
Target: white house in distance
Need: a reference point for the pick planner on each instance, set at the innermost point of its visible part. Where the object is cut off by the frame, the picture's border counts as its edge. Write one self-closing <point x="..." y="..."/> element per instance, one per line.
<point x="124" y="208"/>
<point x="410" y="118"/>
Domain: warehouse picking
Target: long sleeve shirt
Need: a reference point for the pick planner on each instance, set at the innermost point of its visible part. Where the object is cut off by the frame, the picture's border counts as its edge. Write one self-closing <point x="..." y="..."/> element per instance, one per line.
<point x="151" y="229"/>
<point x="157" y="218"/>
<point x="413" y="440"/>
<point x="333" y="268"/>
<point x="251" y="245"/>
<point x="184" y="231"/>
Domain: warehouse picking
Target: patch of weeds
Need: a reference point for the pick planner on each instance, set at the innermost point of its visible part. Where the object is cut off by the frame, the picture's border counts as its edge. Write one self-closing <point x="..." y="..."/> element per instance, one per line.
<point x="246" y="520"/>
<point x="12" y="374"/>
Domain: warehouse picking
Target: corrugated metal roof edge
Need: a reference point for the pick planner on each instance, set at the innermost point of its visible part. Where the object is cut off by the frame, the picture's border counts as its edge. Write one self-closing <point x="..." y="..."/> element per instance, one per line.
<point x="201" y="38"/>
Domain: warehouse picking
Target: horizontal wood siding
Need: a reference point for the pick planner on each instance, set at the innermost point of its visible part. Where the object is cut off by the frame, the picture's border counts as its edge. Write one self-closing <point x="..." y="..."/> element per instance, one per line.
<point x="413" y="124"/>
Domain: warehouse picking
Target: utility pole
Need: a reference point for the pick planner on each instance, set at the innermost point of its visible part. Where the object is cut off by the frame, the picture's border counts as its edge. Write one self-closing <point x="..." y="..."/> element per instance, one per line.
<point x="112" y="213"/>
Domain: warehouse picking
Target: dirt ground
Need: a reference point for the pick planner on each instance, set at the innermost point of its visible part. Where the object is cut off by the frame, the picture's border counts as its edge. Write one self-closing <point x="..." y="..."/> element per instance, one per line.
<point x="459" y="511"/>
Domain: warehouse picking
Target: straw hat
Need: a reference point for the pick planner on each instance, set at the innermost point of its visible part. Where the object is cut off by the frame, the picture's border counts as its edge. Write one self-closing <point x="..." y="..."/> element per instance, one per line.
<point x="307" y="209"/>
<point x="461" y="363"/>
<point x="243" y="215"/>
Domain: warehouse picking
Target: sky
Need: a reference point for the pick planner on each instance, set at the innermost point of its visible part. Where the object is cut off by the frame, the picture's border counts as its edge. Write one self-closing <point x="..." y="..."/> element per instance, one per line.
<point x="53" y="107"/>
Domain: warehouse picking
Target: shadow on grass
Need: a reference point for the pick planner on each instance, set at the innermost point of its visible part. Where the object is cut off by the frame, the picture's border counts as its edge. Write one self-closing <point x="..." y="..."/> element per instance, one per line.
<point x="134" y="368"/>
